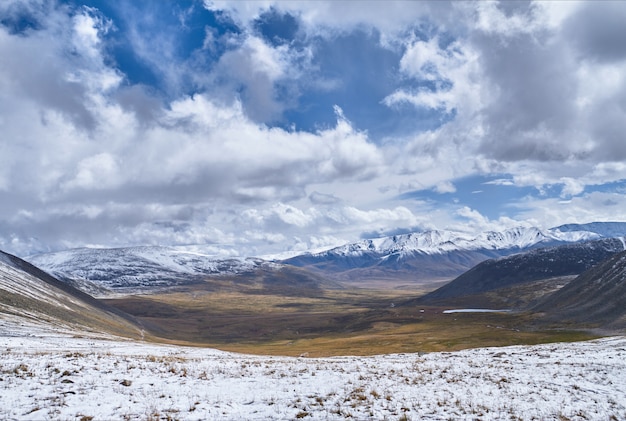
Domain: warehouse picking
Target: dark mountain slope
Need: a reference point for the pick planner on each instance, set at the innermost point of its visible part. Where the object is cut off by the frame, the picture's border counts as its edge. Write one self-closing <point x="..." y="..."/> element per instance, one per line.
<point x="551" y="262"/>
<point x="31" y="295"/>
<point x="598" y="296"/>
<point x="410" y="267"/>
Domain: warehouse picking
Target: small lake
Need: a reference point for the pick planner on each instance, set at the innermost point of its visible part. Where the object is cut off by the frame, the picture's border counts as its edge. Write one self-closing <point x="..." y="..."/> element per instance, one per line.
<point x="474" y="310"/>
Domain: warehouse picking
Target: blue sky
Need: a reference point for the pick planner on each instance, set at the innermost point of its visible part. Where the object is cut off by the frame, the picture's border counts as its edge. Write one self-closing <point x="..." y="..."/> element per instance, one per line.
<point x="260" y="127"/>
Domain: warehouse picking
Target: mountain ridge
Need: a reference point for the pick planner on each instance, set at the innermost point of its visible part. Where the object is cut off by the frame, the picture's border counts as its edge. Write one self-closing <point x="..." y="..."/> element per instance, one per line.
<point x="435" y="255"/>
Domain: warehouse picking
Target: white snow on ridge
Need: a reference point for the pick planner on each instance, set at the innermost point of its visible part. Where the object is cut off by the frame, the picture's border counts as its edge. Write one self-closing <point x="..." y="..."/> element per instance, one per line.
<point x="63" y="377"/>
<point x="175" y="259"/>
<point x="437" y="242"/>
<point x="195" y="259"/>
<point x="101" y="272"/>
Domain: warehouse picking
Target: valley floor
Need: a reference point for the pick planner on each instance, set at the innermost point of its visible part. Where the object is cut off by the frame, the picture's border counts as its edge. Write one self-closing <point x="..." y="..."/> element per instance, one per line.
<point x="46" y="375"/>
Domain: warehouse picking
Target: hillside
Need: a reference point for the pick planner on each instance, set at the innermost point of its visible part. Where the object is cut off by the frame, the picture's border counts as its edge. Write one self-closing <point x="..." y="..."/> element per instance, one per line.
<point x="31" y="296"/>
<point x="134" y="269"/>
<point x="151" y="269"/>
<point x="534" y="265"/>
<point x="597" y="297"/>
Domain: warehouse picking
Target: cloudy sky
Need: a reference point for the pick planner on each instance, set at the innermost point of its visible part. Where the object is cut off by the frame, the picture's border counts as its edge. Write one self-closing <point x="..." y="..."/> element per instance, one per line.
<point x="257" y="127"/>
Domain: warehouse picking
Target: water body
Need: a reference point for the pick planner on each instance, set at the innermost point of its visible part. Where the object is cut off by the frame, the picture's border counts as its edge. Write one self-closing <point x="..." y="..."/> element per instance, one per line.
<point x="474" y="310"/>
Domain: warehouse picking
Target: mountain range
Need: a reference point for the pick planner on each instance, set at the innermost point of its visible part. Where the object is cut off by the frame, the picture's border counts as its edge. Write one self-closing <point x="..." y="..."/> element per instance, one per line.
<point x="67" y="355"/>
<point x="400" y="260"/>
<point x="439" y="255"/>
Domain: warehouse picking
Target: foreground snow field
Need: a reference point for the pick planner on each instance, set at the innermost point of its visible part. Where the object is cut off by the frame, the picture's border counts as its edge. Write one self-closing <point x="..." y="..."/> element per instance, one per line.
<point x="58" y="376"/>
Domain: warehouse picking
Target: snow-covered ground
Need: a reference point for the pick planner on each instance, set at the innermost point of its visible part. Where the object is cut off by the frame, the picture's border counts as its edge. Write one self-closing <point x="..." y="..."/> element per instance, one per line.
<point x="47" y="375"/>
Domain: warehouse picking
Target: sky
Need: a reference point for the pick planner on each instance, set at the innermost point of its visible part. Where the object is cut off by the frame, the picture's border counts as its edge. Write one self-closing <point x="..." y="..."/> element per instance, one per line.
<point x="260" y="127"/>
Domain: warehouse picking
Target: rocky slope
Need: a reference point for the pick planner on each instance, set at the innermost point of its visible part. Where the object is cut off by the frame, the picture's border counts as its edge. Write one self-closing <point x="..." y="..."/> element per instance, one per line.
<point x="596" y="297"/>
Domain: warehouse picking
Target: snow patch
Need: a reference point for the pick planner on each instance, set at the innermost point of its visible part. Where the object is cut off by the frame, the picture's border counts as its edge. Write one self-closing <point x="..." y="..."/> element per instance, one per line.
<point x="57" y="376"/>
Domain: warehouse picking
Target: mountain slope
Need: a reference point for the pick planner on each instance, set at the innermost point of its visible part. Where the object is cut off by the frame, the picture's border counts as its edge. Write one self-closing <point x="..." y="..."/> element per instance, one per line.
<point x="102" y="272"/>
<point x="134" y="267"/>
<point x="29" y="295"/>
<point x="598" y="296"/>
<point x="537" y="264"/>
<point x="431" y="255"/>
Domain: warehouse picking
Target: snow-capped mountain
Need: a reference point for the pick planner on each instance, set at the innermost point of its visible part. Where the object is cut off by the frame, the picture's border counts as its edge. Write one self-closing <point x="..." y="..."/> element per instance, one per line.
<point x="62" y="359"/>
<point x="99" y="271"/>
<point x="438" y="242"/>
<point x="410" y="258"/>
<point x="430" y="255"/>
<point x="149" y="269"/>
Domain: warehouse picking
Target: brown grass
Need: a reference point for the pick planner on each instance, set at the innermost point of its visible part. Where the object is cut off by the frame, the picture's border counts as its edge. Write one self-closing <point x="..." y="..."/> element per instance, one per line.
<point x="337" y="322"/>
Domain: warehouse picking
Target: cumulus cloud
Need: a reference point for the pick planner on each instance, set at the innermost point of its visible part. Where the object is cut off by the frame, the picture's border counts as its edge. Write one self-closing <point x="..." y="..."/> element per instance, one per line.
<point x="331" y="16"/>
<point x="474" y="221"/>
<point x="451" y="74"/>
<point x="259" y="69"/>
<point x="196" y="142"/>
<point x="183" y="159"/>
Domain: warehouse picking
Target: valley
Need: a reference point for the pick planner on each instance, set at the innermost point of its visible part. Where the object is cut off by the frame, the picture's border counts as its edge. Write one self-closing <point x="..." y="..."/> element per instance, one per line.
<point x="180" y="335"/>
<point x="378" y="296"/>
<point x="335" y="322"/>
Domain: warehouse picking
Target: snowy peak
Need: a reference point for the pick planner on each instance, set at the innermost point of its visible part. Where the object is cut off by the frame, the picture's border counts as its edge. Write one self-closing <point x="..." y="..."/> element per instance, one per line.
<point x="425" y="242"/>
<point x="168" y="259"/>
<point x="437" y="242"/>
<point x="99" y="271"/>
<point x="434" y="255"/>
<point x="515" y="237"/>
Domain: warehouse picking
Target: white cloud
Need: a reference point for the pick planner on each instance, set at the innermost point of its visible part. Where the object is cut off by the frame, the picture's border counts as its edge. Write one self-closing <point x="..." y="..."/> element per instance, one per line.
<point x="452" y="70"/>
<point x="445" y="187"/>
<point x="96" y="172"/>
<point x="571" y="187"/>
<point x="597" y="206"/>
<point x="293" y="216"/>
<point x="258" y="67"/>
<point x="475" y="222"/>
<point x="89" y="157"/>
<point x="329" y="16"/>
